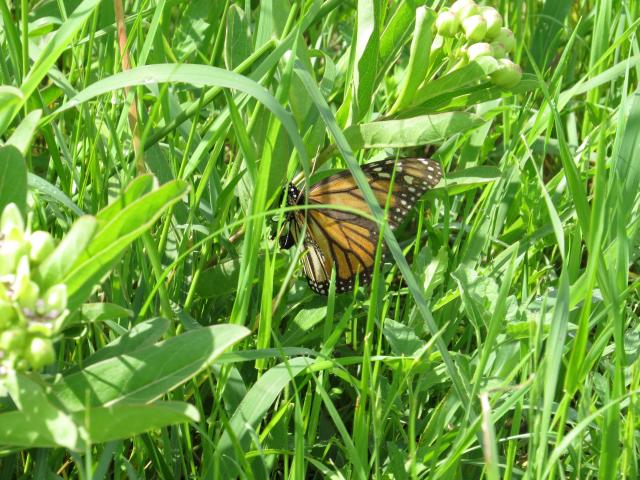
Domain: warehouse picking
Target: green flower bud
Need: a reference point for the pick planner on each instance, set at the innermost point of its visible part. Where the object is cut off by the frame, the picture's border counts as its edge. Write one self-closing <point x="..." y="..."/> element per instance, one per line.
<point x="42" y="328"/>
<point x="498" y="50"/>
<point x="28" y="297"/>
<point x="508" y="75"/>
<point x="494" y="21"/>
<point x="447" y="24"/>
<point x="11" y="222"/>
<point x="7" y="314"/>
<point x="506" y="38"/>
<point x="55" y="299"/>
<point x="13" y="340"/>
<point x="10" y="253"/>
<point x="475" y="28"/>
<point x="464" y="8"/>
<point x="40" y="352"/>
<point x="481" y="49"/>
<point x="42" y="245"/>
<point x="23" y="276"/>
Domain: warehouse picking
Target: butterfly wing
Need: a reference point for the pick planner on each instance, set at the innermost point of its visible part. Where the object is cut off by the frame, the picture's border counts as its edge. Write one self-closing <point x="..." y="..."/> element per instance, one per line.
<point x="348" y="241"/>
<point x="414" y="176"/>
<point x="317" y="266"/>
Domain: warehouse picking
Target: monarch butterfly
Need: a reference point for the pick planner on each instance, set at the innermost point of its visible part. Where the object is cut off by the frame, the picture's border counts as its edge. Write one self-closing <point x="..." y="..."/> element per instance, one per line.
<point x="344" y="240"/>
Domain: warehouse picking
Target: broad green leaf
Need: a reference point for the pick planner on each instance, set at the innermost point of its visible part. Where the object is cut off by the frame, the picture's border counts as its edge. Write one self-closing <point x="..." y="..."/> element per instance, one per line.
<point x="58" y="264"/>
<point x="396" y="32"/>
<point x="138" y="187"/>
<point x="410" y="132"/>
<point x="474" y="73"/>
<point x="37" y="423"/>
<point x="221" y="279"/>
<point x="141" y="335"/>
<point x="114" y="236"/>
<point x="148" y="373"/>
<point x="22" y="137"/>
<point x="402" y="339"/>
<point x="13" y="179"/>
<point x="10" y="100"/>
<point x="99" y="312"/>
<point x="105" y="424"/>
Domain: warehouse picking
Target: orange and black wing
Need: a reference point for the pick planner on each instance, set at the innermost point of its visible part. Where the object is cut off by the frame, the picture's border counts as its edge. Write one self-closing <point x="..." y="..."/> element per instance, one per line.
<point x="348" y="241"/>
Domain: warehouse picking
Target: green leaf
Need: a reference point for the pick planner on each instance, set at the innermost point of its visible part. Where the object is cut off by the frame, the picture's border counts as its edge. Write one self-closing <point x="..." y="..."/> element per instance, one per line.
<point x="56" y="265"/>
<point x="366" y="56"/>
<point x="411" y="132"/>
<point x="148" y="373"/>
<point x="51" y="192"/>
<point x="237" y="45"/>
<point x="47" y="59"/>
<point x="138" y="187"/>
<point x="105" y="424"/>
<point x="470" y="178"/>
<point x="13" y="179"/>
<point x="418" y="57"/>
<point x="113" y="236"/>
<point x="99" y="312"/>
<point x="453" y="83"/>
<point x="141" y="335"/>
<point x="626" y="162"/>
<point x="198" y="75"/>
<point x="219" y="280"/>
<point x="10" y="100"/>
<point x="37" y="423"/>
<point x="402" y="339"/>
<point x="22" y="137"/>
<point x="254" y="407"/>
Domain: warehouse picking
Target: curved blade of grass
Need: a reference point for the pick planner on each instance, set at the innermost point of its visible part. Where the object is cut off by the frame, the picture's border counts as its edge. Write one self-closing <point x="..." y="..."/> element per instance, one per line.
<point x="52" y="192"/>
<point x="253" y="408"/>
<point x="197" y="75"/>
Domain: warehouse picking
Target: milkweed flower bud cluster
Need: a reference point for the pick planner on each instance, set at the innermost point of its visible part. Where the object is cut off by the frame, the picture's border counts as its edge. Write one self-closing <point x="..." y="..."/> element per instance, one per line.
<point x="482" y="30"/>
<point x="30" y="311"/>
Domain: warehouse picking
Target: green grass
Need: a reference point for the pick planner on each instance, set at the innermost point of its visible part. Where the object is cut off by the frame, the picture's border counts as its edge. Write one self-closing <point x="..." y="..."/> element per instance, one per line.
<point x="500" y="337"/>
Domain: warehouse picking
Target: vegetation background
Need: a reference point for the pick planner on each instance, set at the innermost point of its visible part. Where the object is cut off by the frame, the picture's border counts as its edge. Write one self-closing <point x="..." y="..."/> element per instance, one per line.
<point x="507" y="344"/>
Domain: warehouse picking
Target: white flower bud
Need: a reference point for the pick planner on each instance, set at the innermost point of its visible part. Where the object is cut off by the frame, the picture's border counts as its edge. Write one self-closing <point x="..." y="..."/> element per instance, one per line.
<point x="447" y="24"/>
<point x="11" y="222"/>
<point x="506" y="38"/>
<point x="494" y="21"/>
<point x="464" y="8"/>
<point x="55" y="299"/>
<point x="508" y="75"/>
<point x="40" y="352"/>
<point x="475" y="28"/>
<point x="481" y="49"/>
<point x="42" y="245"/>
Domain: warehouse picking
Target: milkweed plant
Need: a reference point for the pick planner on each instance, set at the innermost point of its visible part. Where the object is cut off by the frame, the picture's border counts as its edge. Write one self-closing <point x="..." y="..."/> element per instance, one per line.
<point x="454" y="49"/>
<point x="31" y="309"/>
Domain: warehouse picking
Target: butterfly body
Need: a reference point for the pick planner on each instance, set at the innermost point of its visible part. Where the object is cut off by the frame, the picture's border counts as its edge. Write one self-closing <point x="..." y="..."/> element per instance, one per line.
<point x="345" y="240"/>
